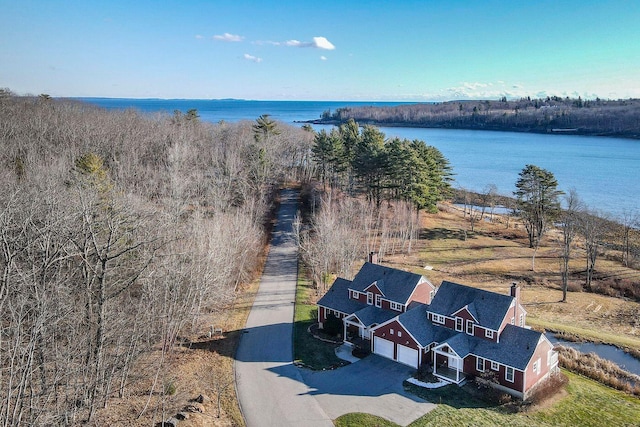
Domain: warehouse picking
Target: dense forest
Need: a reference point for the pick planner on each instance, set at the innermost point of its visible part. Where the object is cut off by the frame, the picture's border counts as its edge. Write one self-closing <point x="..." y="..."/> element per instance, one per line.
<point x="620" y="118"/>
<point x="117" y="230"/>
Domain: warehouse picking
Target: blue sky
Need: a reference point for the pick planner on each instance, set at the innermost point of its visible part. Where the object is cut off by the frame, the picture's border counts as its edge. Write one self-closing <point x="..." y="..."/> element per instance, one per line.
<point x="322" y="50"/>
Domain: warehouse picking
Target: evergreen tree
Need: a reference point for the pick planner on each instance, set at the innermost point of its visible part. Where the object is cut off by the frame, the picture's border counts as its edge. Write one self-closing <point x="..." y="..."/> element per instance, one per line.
<point x="537" y="201"/>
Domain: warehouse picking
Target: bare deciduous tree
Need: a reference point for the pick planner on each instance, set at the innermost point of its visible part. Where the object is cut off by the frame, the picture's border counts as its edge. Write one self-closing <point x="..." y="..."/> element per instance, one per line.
<point x="569" y="222"/>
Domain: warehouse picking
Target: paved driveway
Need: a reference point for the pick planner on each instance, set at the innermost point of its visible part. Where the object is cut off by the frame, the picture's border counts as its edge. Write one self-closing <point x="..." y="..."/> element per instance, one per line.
<point x="274" y="392"/>
<point x="372" y="385"/>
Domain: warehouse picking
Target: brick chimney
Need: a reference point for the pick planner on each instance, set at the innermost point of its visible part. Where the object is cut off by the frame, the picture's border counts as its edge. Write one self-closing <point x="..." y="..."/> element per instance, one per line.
<point x="515" y="293"/>
<point x="373" y="257"/>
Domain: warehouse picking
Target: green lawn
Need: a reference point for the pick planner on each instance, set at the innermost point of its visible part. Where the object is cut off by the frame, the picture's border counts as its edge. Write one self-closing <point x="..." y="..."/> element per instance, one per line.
<point x="587" y="403"/>
<point x="307" y="350"/>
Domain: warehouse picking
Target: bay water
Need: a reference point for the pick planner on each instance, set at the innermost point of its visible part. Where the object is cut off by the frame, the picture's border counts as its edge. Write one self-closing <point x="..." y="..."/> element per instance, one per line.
<point x="605" y="172"/>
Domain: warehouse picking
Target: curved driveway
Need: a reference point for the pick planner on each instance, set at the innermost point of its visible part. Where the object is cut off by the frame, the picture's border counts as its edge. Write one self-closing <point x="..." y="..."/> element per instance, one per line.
<point x="272" y="391"/>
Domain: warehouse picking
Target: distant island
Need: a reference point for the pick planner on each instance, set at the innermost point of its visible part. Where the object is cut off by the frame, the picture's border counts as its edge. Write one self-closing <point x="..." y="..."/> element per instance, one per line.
<point x="615" y="118"/>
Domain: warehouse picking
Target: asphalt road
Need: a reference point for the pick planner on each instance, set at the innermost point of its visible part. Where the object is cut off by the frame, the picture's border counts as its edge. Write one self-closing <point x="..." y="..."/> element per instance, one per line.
<point x="274" y="392"/>
<point x="270" y="388"/>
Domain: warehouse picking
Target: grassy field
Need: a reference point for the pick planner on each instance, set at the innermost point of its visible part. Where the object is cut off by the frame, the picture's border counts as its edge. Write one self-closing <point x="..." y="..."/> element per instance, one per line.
<point x="494" y="256"/>
<point x="491" y="258"/>
<point x="585" y="403"/>
<point x="307" y="350"/>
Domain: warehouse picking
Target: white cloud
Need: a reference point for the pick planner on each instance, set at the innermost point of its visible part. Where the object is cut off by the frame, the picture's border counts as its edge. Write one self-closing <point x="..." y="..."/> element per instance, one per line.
<point x="318" y="43"/>
<point x="226" y="37"/>
<point x="483" y="90"/>
<point x="199" y="37"/>
<point x="323" y="43"/>
<point x="252" y="58"/>
<point x="322" y="57"/>
<point x="263" y="42"/>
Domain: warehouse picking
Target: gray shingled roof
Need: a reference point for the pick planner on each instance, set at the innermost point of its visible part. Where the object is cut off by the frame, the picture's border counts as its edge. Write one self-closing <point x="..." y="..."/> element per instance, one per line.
<point x="416" y="323"/>
<point x="515" y="349"/>
<point x="397" y="285"/>
<point x="489" y="308"/>
<point x="337" y="298"/>
<point x="371" y="315"/>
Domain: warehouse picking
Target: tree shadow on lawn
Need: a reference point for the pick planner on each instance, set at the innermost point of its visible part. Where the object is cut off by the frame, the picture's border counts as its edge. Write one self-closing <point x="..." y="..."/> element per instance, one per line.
<point x="444" y="233"/>
<point x="451" y="395"/>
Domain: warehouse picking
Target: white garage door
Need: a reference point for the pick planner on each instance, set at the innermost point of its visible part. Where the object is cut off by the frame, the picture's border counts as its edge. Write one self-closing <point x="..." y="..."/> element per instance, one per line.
<point x="383" y="347"/>
<point x="408" y="356"/>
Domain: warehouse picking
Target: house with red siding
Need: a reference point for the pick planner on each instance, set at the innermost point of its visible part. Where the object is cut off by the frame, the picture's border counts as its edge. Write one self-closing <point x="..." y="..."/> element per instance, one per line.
<point x="375" y="295"/>
<point x="456" y="330"/>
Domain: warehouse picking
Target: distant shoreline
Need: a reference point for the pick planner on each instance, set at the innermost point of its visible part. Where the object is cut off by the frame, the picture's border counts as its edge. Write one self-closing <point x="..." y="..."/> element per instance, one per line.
<point x="559" y="116"/>
<point x="554" y="131"/>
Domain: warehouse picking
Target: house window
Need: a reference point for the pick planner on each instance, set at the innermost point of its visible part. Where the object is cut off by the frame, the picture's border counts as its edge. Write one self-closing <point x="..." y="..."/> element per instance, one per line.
<point x="508" y="374"/>
<point x="396" y="306"/>
<point x="459" y="323"/>
<point x="369" y="298"/>
<point x="536" y="367"/>
<point x="549" y="356"/>
<point x="399" y="333"/>
<point x="469" y="327"/>
<point x="480" y="364"/>
<point x="495" y="366"/>
<point x="355" y="294"/>
<point x="378" y="300"/>
<point x="488" y="333"/>
<point x="437" y="318"/>
<point x="521" y="320"/>
<point x="513" y="320"/>
<point x="391" y="331"/>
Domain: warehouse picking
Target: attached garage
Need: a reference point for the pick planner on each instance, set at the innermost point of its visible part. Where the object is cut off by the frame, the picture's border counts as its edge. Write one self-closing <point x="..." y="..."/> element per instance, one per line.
<point x="383" y="347"/>
<point x="408" y="356"/>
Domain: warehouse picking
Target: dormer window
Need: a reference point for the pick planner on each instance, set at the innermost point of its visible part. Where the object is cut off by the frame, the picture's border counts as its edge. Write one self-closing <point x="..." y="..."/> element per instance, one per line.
<point x="369" y="298"/>
<point x="469" y="327"/>
<point x="378" y="300"/>
<point x="459" y="324"/>
<point x="395" y="306"/>
<point x="437" y="318"/>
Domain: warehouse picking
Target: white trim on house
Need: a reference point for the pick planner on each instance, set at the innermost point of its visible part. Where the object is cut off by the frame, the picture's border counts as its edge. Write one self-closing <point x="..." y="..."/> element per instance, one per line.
<point x="465" y="308"/>
<point x="470" y="327"/>
<point x="511" y="369"/>
<point x="451" y="356"/>
<point x="376" y="285"/>
<point x="438" y="318"/>
<point x="422" y="280"/>
<point x="396" y="306"/>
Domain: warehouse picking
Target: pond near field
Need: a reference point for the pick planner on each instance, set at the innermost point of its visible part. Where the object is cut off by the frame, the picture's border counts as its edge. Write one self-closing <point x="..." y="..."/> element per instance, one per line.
<point x="605" y="351"/>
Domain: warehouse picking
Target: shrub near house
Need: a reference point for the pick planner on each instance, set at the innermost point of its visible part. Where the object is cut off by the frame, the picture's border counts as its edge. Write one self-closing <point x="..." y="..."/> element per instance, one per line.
<point x="459" y="331"/>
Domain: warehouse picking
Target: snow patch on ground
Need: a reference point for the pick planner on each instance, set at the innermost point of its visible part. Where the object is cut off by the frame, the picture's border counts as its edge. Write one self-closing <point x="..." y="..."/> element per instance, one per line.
<point x="439" y="384"/>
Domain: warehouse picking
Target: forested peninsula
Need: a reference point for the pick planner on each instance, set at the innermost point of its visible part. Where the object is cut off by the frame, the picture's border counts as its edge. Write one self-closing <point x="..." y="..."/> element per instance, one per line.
<point x="615" y="118"/>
